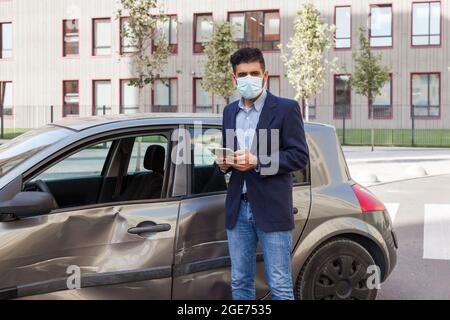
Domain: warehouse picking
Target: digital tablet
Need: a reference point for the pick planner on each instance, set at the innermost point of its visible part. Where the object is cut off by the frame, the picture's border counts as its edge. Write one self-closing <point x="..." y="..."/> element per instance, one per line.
<point x="222" y="152"/>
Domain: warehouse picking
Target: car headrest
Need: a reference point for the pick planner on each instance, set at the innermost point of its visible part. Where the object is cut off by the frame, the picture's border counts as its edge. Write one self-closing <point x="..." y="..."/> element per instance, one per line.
<point x="154" y="158"/>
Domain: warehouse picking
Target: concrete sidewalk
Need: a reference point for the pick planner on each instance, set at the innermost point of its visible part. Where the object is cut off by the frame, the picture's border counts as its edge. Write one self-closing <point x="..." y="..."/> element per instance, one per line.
<point x="357" y="154"/>
<point x="389" y="164"/>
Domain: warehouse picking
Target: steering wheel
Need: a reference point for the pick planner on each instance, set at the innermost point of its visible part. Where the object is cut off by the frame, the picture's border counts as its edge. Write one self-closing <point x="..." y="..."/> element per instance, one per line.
<point x="43" y="187"/>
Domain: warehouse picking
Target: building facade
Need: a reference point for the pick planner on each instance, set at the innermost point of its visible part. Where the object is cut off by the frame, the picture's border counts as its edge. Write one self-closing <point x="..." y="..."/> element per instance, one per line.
<point x="66" y="58"/>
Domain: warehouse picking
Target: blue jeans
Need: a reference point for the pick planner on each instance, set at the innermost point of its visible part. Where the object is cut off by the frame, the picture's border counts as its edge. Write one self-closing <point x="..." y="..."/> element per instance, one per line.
<point x="276" y="247"/>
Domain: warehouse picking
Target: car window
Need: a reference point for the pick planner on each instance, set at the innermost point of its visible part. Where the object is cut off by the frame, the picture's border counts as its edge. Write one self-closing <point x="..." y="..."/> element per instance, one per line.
<point x="205" y="175"/>
<point x="80" y="179"/>
<point x="140" y="147"/>
<point x="87" y="162"/>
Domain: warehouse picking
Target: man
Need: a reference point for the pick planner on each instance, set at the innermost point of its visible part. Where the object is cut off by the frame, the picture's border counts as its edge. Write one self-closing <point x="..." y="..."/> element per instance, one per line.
<point x="259" y="201"/>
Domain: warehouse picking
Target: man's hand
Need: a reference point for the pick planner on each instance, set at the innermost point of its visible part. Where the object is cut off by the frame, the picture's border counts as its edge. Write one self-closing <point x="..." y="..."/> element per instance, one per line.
<point x="244" y="160"/>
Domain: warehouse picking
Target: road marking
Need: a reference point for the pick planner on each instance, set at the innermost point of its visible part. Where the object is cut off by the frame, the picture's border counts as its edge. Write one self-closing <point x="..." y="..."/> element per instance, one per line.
<point x="436" y="232"/>
<point x="392" y="209"/>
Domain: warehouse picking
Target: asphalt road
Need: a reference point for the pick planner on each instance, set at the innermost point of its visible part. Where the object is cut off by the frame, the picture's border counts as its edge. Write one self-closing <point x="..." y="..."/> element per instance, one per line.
<point x="420" y="209"/>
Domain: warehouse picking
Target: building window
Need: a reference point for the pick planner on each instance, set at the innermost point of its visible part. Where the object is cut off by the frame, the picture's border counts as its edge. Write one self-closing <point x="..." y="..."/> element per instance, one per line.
<point x="129" y="97"/>
<point x="311" y="108"/>
<point x="203" y="31"/>
<point x="6" y="102"/>
<point x="425" y="94"/>
<point x="343" y="22"/>
<point x="203" y="100"/>
<point x="170" y="30"/>
<point x="5" y="40"/>
<point x="381" y="25"/>
<point x="273" y="85"/>
<point x="71" y="38"/>
<point x="71" y="103"/>
<point x="258" y="29"/>
<point x="102" y="37"/>
<point x="165" y="95"/>
<point x="382" y="104"/>
<point x="426" y="24"/>
<point x="102" y="97"/>
<point x="127" y="43"/>
<point x="342" y="96"/>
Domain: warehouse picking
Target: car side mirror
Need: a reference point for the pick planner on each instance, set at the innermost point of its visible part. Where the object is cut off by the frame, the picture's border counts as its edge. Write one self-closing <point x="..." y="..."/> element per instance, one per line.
<point x="27" y="204"/>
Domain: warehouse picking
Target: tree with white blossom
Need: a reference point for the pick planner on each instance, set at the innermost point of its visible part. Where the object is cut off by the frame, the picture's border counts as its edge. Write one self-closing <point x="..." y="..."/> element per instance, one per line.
<point x="144" y="25"/>
<point x="307" y="65"/>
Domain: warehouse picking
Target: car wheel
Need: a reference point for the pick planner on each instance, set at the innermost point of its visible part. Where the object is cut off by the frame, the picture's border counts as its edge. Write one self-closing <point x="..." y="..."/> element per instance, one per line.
<point x="336" y="270"/>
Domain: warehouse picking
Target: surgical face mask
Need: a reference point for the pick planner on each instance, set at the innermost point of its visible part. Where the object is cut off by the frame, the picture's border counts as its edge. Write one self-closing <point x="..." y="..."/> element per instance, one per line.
<point x="249" y="86"/>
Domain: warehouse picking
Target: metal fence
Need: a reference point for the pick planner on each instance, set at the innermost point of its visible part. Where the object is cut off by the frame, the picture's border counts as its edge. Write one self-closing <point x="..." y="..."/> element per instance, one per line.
<point x="393" y="126"/>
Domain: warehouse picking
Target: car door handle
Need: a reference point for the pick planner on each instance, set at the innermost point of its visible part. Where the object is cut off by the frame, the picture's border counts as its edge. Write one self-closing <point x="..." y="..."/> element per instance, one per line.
<point x="152" y="228"/>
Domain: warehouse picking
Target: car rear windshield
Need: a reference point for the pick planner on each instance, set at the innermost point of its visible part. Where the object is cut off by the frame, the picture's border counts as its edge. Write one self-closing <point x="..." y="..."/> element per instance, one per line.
<point x="23" y="147"/>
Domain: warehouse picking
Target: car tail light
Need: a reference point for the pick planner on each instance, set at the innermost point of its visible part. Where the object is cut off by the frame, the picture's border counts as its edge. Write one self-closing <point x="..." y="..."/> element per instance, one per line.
<point x="367" y="200"/>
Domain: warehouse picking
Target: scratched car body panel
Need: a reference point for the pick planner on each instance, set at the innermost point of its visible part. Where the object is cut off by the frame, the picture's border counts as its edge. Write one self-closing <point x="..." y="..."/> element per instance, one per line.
<point x="96" y="233"/>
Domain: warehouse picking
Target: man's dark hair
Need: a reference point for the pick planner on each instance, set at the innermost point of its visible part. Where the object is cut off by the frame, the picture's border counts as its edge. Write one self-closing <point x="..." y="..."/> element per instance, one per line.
<point x="247" y="55"/>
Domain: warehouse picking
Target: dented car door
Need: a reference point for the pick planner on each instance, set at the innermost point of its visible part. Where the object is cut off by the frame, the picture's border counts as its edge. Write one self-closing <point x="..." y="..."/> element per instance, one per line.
<point x="117" y="250"/>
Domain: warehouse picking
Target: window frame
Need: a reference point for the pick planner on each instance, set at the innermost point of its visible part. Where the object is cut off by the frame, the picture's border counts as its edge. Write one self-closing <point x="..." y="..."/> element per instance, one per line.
<point x="194" y="31"/>
<point x="122" y="133"/>
<point x="93" y="48"/>
<point x="1" y="40"/>
<point x="121" y="104"/>
<point x="156" y="107"/>
<point x="411" y="114"/>
<point x="334" y="97"/>
<point x="64" y="54"/>
<point x="64" y="95"/>
<point x="392" y="26"/>
<point x="121" y="51"/>
<point x="351" y="28"/>
<point x="194" y="96"/>
<point x="244" y="43"/>
<point x="12" y="107"/>
<point x="429" y="35"/>
<point x="391" y="114"/>
<point x="173" y="48"/>
<point x="94" y="94"/>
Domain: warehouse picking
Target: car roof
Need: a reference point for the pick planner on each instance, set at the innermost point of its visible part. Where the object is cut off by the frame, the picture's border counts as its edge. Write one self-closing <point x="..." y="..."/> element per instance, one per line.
<point x="82" y="123"/>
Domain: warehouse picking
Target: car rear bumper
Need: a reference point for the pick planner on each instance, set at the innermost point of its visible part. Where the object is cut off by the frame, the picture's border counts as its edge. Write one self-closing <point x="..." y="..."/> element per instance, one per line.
<point x="389" y="244"/>
<point x="392" y="245"/>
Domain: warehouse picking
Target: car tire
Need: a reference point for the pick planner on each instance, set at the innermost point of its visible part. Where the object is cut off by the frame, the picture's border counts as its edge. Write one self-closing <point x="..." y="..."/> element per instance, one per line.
<point x="336" y="270"/>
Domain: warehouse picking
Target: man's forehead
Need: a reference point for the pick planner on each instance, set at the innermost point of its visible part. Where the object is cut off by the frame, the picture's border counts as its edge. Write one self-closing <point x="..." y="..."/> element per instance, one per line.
<point x="248" y="67"/>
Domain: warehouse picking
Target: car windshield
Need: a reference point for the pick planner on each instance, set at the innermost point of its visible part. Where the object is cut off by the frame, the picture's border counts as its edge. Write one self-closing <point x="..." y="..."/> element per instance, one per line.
<point x="21" y="148"/>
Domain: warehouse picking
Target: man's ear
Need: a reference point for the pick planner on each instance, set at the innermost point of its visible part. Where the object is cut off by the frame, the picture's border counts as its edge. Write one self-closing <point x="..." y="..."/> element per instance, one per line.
<point x="266" y="78"/>
<point x="233" y="78"/>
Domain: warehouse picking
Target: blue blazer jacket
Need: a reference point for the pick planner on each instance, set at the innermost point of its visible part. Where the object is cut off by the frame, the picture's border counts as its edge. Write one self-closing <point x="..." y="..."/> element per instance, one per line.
<point x="269" y="192"/>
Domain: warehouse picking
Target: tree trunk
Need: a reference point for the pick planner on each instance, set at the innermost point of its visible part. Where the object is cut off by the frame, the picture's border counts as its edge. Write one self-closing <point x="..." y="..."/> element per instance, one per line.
<point x="372" y="129"/>
<point x="306" y="109"/>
